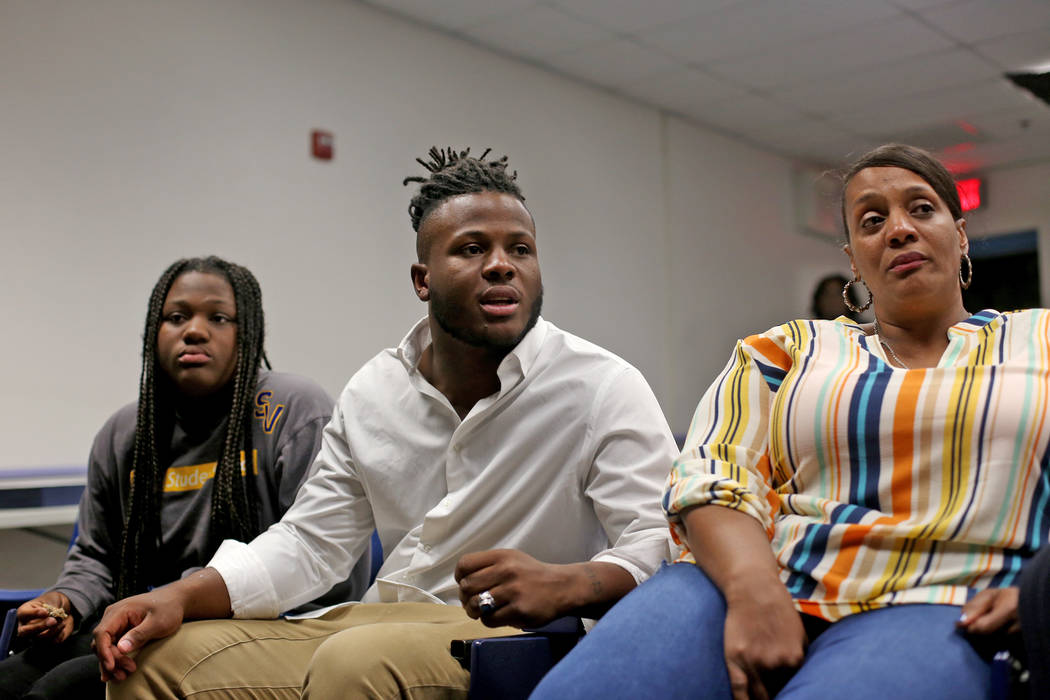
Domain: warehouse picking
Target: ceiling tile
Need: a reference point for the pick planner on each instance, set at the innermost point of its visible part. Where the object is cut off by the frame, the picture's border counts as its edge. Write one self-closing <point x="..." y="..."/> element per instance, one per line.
<point x="922" y="4"/>
<point x="684" y="91"/>
<point x="978" y="20"/>
<point x="757" y="26"/>
<point x="451" y="14"/>
<point x="1019" y="52"/>
<point x="535" y="32"/>
<point x="842" y="93"/>
<point x="1012" y="123"/>
<point x="929" y="109"/>
<point x="613" y="63"/>
<point x="836" y="53"/>
<point x="749" y="112"/>
<point x="1030" y="148"/>
<point x="798" y="132"/>
<point x="628" y="16"/>
<point x="820" y="80"/>
<point x="836" y="151"/>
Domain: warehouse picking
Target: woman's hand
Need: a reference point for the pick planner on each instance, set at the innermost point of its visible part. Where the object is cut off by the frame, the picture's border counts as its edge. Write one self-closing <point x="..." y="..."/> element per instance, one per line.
<point x="764" y="638"/>
<point x="991" y="610"/>
<point x="41" y="619"/>
<point x="765" y="641"/>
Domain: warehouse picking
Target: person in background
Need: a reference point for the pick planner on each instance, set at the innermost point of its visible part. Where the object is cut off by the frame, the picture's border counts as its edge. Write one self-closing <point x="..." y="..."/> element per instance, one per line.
<point x="215" y="447"/>
<point x="828" y="301"/>
<point x="513" y="472"/>
<point x="845" y="489"/>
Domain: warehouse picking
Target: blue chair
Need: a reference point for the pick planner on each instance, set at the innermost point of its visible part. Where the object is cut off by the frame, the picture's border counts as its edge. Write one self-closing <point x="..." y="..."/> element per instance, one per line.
<point x="377" y="556"/>
<point x="11" y="621"/>
<point x="11" y="598"/>
<point x="508" y="668"/>
<point x="1009" y="678"/>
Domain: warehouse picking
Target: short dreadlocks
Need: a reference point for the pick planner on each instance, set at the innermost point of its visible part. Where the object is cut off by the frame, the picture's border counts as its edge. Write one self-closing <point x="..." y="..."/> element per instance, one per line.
<point x="454" y="173"/>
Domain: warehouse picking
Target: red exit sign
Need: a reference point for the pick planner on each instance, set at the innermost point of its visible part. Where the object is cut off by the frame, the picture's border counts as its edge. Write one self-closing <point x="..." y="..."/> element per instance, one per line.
<point x="969" y="193"/>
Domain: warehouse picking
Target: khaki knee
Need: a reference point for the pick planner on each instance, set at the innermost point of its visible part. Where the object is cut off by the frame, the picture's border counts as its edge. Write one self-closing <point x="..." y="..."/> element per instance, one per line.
<point x="387" y="660"/>
<point x="225" y="659"/>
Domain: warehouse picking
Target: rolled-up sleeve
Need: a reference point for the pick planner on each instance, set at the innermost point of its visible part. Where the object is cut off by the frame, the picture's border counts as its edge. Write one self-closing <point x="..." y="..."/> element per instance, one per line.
<point x="633" y="450"/>
<point x="314" y="545"/>
<point x="725" y="460"/>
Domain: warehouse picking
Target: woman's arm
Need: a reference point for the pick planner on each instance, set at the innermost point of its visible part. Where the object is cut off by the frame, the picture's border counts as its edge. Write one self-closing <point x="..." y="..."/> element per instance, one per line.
<point x="763" y="631"/>
<point x="88" y="579"/>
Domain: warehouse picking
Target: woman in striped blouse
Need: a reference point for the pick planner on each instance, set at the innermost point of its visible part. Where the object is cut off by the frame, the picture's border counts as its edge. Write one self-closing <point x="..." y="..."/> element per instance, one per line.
<point x="845" y="489"/>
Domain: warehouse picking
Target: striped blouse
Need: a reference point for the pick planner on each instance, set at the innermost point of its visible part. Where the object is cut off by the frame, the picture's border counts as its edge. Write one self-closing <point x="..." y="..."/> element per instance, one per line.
<point x="879" y="485"/>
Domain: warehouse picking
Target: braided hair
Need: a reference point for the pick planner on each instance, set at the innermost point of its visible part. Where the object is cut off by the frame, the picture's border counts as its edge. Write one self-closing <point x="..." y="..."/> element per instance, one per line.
<point x="234" y="512"/>
<point x="454" y="173"/>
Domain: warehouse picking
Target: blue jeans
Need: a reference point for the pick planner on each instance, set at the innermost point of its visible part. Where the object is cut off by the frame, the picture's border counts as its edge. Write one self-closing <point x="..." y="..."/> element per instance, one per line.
<point x="664" y="640"/>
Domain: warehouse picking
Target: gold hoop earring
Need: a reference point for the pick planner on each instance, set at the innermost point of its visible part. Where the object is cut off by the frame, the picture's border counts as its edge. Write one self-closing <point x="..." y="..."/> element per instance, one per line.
<point x="969" y="272"/>
<point x="849" y="302"/>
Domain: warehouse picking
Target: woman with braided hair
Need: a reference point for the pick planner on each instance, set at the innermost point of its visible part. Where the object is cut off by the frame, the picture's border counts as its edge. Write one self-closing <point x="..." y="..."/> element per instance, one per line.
<point x="215" y="448"/>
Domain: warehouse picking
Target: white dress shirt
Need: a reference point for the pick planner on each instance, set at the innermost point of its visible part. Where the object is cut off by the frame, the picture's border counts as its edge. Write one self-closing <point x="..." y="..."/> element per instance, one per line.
<point x="566" y="462"/>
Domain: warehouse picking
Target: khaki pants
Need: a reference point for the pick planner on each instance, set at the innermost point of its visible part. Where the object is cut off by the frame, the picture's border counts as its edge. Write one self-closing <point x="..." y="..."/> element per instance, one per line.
<point x="375" y="650"/>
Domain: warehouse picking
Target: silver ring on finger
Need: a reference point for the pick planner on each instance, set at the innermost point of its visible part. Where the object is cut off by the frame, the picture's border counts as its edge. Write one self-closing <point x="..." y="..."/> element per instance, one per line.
<point x="486" y="603"/>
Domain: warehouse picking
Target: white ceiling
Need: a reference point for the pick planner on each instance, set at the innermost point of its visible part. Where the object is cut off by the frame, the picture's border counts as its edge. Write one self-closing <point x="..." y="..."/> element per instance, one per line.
<point x="811" y="79"/>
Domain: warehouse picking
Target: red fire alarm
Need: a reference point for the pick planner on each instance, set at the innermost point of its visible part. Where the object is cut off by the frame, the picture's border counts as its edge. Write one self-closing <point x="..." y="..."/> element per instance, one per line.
<point x="322" y="144"/>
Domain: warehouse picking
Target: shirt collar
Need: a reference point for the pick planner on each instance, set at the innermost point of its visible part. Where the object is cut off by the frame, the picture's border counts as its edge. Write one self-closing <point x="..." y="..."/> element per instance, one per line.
<point x="413" y="344"/>
<point x="975" y="323"/>
<point x="965" y="327"/>
<point x="518" y="361"/>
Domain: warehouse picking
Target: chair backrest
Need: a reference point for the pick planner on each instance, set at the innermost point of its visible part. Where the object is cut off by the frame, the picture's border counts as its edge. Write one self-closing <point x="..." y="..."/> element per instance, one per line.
<point x="11" y="598"/>
<point x="8" y="632"/>
<point x="377" y="556"/>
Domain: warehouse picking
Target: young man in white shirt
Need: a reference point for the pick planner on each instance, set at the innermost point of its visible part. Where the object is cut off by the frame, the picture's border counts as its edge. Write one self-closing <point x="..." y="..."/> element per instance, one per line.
<point x="512" y="470"/>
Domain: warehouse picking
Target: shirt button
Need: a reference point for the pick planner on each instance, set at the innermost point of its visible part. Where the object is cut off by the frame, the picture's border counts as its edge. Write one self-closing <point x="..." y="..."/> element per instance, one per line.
<point x="424" y="547"/>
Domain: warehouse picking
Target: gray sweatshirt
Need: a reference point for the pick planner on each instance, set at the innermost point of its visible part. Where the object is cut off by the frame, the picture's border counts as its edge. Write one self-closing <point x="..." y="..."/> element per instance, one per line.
<point x="290" y="413"/>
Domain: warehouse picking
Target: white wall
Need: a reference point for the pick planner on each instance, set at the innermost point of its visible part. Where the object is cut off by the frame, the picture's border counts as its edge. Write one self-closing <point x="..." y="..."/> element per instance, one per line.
<point x="735" y="265"/>
<point x="134" y="132"/>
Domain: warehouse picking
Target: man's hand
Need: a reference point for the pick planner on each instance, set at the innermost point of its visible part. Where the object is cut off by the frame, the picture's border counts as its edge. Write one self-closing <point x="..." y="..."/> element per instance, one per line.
<point x="41" y="619"/>
<point x="527" y="592"/>
<point x="992" y="610"/>
<point x="764" y="640"/>
<point x="128" y="624"/>
<point x="530" y="593"/>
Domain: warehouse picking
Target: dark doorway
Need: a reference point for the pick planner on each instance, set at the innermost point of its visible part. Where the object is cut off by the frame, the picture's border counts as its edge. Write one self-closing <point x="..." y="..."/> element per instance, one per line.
<point x="1005" y="273"/>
